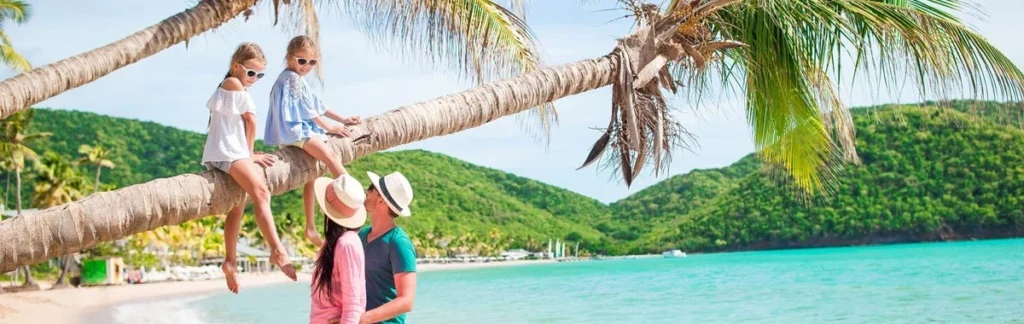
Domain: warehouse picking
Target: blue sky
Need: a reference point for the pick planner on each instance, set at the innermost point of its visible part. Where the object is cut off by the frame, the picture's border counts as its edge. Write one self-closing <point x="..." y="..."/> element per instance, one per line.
<point x="172" y="86"/>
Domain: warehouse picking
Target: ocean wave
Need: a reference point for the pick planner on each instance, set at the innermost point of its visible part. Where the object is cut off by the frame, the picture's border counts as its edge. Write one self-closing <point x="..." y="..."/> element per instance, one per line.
<point x="170" y="311"/>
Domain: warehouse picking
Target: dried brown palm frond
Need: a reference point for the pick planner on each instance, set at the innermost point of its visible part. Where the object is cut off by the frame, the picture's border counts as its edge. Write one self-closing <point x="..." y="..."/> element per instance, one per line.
<point x="642" y="128"/>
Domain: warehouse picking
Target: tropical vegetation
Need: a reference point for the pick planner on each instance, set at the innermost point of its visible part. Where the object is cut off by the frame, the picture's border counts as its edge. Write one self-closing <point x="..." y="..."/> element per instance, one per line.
<point x="926" y="173"/>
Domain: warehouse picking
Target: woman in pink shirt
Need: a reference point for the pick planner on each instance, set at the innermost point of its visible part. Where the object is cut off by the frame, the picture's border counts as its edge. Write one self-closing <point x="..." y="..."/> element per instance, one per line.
<point x="338" y="290"/>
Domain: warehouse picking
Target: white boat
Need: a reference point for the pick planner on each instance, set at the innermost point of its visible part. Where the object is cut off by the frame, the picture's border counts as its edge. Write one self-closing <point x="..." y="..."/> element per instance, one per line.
<point x="673" y="254"/>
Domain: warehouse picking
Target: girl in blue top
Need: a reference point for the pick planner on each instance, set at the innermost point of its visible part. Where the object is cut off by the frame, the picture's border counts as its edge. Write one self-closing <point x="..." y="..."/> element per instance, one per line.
<point x="298" y="118"/>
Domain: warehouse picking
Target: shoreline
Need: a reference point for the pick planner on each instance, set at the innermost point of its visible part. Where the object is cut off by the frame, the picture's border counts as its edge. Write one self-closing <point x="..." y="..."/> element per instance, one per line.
<point x="431" y="267"/>
<point x="96" y="304"/>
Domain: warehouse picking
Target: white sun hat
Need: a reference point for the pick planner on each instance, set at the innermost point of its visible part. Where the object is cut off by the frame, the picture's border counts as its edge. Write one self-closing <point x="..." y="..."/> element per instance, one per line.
<point x="341" y="200"/>
<point x="395" y="189"/>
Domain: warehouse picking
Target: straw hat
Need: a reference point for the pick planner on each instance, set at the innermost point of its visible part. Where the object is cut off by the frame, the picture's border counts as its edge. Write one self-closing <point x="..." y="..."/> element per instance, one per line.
<point x="341" y="199"/>
<point x="395" y="189"/>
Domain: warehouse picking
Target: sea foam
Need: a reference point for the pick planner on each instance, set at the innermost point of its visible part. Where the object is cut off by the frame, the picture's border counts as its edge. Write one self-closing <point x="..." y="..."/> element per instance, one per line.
<point x="169" y="311"/>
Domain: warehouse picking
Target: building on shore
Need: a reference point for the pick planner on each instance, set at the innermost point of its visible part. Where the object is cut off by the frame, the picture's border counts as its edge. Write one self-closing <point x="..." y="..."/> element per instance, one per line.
<point x="249" y="259"/>
<point x="515" y="254"/>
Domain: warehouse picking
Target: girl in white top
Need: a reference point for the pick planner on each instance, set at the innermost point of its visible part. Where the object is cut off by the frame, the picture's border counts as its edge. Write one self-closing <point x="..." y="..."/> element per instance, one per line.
<point x="229" y="148"/>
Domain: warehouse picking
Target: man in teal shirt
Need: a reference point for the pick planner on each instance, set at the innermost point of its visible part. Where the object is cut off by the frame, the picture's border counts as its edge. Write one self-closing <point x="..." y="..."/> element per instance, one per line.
<point x="390" y="255"/>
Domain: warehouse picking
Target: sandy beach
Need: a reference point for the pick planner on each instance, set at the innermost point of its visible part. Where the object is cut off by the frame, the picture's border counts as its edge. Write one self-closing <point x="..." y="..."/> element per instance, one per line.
<point x="80" y="305"/>
<point x="77" y="305"/>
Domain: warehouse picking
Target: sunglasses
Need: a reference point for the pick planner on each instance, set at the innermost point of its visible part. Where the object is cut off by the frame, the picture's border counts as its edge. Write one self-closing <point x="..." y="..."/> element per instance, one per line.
<point x="252" y="73"/>
<point x="303" y="61"/>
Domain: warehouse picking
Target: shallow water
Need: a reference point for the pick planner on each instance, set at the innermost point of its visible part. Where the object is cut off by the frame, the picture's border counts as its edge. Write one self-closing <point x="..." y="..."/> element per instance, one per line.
<point x="963" y="282"/>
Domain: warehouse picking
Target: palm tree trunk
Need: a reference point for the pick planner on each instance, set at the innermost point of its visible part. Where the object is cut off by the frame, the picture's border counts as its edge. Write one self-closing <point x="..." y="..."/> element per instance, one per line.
<point x="7" y="190"/>
<point x="40" y="84"/>
<point x="110" y="215"/>
<point x="17" y="190"/>
<point x="96" y="186"/>
<point x="30" y="284"/>
<point x="61" y="283"/>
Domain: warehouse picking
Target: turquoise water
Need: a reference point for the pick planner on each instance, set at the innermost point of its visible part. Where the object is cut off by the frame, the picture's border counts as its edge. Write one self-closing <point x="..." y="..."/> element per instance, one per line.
<point x="963" y="282"/>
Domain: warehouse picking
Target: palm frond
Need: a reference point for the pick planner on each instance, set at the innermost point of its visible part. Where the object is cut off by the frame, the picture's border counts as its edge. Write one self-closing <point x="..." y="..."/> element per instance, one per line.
<point x="455" y="32"/>
<point x="84" y="149"/>
<point x="480" y="39"/>
<point x="796" y="49"/>
<point x="34" y="136"/>
<point x="301" y="17"/>
<point x="10" y="57"/>
<point x="15" y="10"/>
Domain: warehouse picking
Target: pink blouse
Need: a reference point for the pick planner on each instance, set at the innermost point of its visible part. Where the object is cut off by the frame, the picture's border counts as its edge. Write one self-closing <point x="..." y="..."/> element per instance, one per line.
<point x="348" y="301"/>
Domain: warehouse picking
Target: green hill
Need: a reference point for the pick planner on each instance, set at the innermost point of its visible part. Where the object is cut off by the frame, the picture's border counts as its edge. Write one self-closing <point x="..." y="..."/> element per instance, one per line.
<point x="453" y="198"/>
<point x="677" y="196"/>
<point x="926" y="174"/>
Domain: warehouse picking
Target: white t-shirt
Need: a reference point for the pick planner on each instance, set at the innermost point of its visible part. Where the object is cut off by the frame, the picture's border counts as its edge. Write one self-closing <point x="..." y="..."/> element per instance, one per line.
<point x="226" y="139"/>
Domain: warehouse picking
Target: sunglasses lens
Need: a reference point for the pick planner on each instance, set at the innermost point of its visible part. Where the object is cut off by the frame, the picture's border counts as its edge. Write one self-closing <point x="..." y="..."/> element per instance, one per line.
<point x="250" y="73"/>
<point x="259" y="75"/>
<point x="312" y="62"/>
<point x="302" y="61"/>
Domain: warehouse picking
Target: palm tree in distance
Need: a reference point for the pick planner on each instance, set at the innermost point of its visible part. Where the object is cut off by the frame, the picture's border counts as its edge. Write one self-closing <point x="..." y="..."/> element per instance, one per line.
<point x="14" y="140"/>
<point x="95" y="155"/>
<point x="57" y="182"/>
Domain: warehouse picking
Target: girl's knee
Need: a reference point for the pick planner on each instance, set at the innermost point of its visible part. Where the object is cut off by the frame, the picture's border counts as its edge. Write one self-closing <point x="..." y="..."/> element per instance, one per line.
<point x="261" y="193"/>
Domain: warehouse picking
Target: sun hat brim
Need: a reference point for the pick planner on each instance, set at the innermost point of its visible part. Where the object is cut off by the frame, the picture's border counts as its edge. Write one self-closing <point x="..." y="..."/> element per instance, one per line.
<point x="375" y="180"/>
<point x="320" y="187"/>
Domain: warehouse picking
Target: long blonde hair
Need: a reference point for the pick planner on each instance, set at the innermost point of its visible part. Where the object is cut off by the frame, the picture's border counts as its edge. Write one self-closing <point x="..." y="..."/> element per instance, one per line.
<point x="245" y="51"/>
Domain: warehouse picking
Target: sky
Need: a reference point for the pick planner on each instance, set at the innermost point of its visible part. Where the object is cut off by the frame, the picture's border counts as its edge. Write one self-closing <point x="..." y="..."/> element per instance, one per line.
<point x="364" y="79"/>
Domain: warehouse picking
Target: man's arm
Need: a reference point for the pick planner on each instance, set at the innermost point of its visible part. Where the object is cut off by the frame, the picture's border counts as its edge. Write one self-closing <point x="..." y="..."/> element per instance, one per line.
<point x="405" y="284"/>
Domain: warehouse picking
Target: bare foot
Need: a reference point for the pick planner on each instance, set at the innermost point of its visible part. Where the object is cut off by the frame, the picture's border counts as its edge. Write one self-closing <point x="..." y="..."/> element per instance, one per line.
<point x="314" y="237"/>
<point x="280" y="259"/>
<point x="230" y="274"/>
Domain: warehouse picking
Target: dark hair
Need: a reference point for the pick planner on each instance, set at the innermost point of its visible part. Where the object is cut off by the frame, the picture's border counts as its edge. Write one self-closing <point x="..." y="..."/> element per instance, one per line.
<point x="324" y="266"/>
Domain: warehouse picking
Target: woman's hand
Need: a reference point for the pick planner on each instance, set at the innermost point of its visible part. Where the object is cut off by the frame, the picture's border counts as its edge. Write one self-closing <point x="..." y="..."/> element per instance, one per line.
<point x="264" y="160"/>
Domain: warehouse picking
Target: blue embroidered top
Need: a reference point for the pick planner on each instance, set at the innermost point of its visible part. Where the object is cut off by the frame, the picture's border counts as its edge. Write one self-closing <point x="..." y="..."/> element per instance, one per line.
<point x="292" y="109"/>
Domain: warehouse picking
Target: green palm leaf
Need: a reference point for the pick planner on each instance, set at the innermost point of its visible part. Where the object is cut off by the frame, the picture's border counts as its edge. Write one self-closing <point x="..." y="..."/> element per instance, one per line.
<point x="17" y="11"/>
<point x="794" y="52"/>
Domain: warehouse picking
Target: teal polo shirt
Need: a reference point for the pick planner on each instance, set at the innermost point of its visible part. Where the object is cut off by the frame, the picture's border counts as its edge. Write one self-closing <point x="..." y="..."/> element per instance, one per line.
<point x="389" y="254"/>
